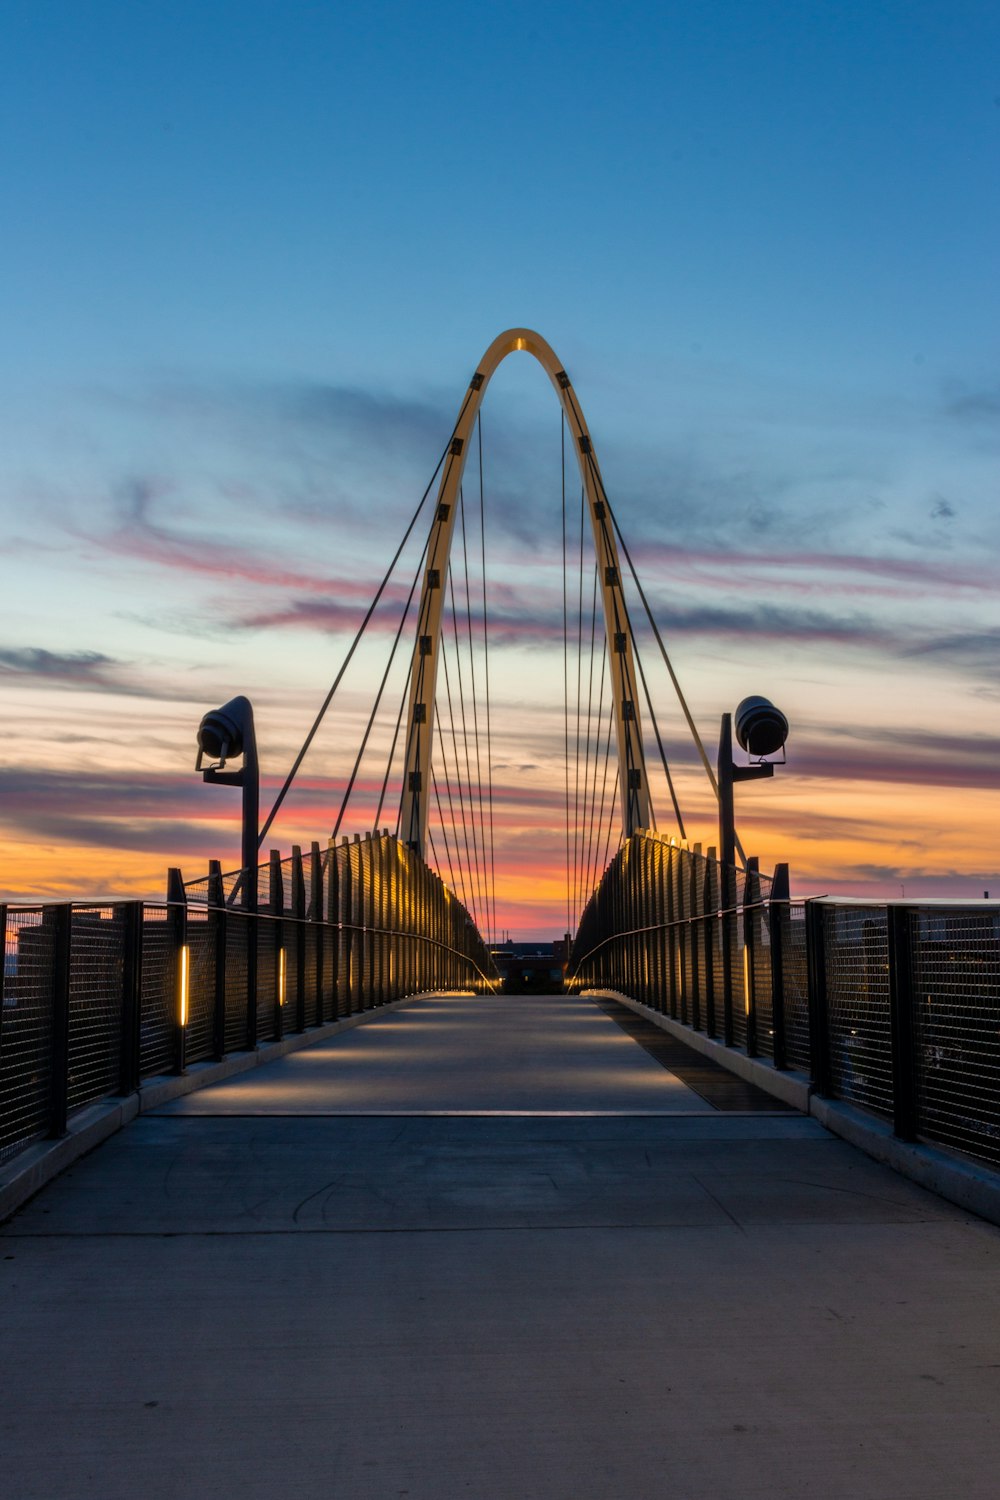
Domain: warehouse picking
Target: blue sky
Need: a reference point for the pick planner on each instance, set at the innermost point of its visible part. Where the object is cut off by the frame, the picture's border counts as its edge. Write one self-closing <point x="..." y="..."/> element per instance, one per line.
<point x="251" y="253"/>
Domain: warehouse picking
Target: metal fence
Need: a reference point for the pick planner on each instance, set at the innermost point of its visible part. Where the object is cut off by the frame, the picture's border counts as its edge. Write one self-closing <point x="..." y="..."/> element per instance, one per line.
<point x="93" y="999"/>
<point x="892" y="1006"/>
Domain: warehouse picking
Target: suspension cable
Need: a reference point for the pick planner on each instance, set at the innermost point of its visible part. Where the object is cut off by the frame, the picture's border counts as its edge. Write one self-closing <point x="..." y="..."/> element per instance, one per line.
<point x="584" y="863"/>
<point x="486" y="673"/>
<point x="477" y="877"/>
<point x="378" y="697"/>
<point x="562" y="431"/>
<point x="577" y="852"/>
<point x="604" y="792"/>
<point x="475" y="713"/>
<point x="593" y="846"/>
<point x="659" y="639"/>
<point x="659" y="742"/>
<point x="361" y="630"/>
<point x="451" y="810"/>
<point x="611" y="819"/>
<point x="392" y="755"/>
<point x="444" y="833"/>
<point x="458" y="776"/>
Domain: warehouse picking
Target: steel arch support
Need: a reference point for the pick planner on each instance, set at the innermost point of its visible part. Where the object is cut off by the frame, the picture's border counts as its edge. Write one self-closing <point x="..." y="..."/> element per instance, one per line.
<point x="414" y="807"/>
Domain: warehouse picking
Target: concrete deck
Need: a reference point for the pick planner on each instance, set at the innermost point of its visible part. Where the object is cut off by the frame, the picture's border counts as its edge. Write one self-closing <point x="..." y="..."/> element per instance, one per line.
<point x="230" y="1298"/>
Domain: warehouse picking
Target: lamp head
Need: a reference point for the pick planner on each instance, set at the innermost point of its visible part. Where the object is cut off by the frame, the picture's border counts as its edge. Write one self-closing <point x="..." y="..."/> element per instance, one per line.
<point x="225" y="732"/>
<point x="760" y="728"/>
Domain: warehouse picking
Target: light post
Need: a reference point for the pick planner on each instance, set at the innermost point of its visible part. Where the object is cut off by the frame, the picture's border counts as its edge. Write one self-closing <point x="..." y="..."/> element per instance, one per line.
<point x="228" y="733"/>
<point x="761" y="730"/>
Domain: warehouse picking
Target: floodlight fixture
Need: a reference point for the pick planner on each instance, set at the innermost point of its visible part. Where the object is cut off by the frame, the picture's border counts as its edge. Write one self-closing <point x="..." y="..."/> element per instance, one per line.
<point x="224" y="734"/>
<point x="761" y="730"/>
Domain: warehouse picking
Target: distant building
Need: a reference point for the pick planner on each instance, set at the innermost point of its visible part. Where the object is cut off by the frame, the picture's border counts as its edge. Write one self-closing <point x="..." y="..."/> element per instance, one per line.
<point x="531" y="968"/>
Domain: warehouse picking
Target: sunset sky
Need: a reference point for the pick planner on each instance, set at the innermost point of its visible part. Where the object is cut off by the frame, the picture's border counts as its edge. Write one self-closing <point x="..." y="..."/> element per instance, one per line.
<point x="249" y="257"/>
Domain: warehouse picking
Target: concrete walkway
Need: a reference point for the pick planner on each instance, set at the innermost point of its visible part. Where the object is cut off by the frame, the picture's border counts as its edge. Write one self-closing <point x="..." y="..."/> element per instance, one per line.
<point x="235" y="1299"/>
<point x="463" y="1054"/>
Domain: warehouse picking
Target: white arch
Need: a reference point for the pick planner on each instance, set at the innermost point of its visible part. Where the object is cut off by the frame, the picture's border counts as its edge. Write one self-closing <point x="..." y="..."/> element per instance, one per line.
<point x="423" y="671"/>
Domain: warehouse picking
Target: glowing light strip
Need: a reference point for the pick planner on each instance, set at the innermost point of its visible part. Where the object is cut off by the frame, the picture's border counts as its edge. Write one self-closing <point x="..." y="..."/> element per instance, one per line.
<point x="184" y="985"/>
<point x="281" y="976"/>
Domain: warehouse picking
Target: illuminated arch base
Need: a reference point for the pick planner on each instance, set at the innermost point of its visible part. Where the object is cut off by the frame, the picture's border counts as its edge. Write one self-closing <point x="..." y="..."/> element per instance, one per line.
<point x="414" y="808"/>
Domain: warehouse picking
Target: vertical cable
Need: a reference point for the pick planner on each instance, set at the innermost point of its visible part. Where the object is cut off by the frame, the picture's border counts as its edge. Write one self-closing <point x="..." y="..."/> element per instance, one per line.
<point x="577" y="852"/>
<point x="477" y="877"/>
<point x="569" y="913"/>
<point x="444" y="832"/>
<point x="475" y="715"/>
<point x="594" y="843"/>
<point x="455" y="825"/>
<point x="458" y="764"/>
<point x="486" y="662"/>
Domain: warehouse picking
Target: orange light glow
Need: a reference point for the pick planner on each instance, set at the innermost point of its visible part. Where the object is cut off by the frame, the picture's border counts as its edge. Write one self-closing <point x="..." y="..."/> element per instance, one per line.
<point x="183" y="985"/>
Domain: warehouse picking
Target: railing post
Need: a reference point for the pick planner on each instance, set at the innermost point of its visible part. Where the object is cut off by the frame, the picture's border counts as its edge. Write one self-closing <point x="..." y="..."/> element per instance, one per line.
<point x="378" y="850"/>
<point x="777" y="923"/>
<point x="333" y="921"/>
<point x="128" y="1077"/>
<point x="61" y="919"/>
<point x="276" y="906"/>
<point x="751" y="896"/>
<point x="902" y="1024"/>
<point x="177" y="921"/>
<point x="316" y="916"/>
<point x="671" y="929"/>
<point x="299" y="915"/>
<point x="693" y="945"/>
<point x="360" y="892"/>
<point x="710" y="903"/>
<point x="250" y="926"/>
<point x="819" y="1030"/>
<point x="3" y="966"/>
<point x="727" y="918"/>
<point x="217" y="928"/>
<point x="368" y="856"/>
<point x="348" y="946"/>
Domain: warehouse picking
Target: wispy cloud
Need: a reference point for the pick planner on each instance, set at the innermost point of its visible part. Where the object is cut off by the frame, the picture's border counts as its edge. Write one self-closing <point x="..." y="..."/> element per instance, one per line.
<point x="908" y="757"/>
<point x="88" y="670"/>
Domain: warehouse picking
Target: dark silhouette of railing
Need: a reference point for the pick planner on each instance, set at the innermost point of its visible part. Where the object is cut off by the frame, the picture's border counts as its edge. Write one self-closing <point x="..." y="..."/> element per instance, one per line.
<point x="96" y="998"/>
<point x="891" y="1006"/>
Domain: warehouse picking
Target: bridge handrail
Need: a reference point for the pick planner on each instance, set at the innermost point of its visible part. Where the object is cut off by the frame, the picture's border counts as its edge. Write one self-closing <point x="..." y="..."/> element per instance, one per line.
<point x="891" y="1006"/>
<point x="98" y="996"/>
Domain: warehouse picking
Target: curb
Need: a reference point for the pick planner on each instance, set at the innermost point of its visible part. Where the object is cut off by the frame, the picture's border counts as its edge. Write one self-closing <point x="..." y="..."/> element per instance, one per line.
<point x="966" y="1184"/>
<point x="30" y="1170"/>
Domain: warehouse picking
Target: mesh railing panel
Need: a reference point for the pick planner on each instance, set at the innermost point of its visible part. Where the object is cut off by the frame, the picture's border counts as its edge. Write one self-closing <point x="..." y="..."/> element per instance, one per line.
<point x="25" y="1030"/>
<point x="98" y="966"/>
<point x="156" y="1033"/>
<point x="238" y="931"/>
<point x="198" y="1045"/>
<point x="309" y="975"/>
<point x="761" y="947"/>
<point x="266" y="977"/>
<point x="290" y="1021"/>
<point x="718" y="973"/>
<point x="956" y="990"/>
<point x="97" y="951"/>
<point x="795" y="989"/>
<point x="740" y="977"/>
<point x="857" y="984"/>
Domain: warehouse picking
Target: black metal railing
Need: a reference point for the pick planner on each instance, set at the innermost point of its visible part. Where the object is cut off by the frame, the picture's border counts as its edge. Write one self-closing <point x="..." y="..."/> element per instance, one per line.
<point x="892" y="1006"/>
<point x="94" y="999"/>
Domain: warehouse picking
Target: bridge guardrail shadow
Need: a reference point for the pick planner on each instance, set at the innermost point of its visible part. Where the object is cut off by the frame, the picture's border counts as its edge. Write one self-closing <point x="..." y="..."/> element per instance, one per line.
<point x="890" y="1006"/>
<point x="98" y="997"/>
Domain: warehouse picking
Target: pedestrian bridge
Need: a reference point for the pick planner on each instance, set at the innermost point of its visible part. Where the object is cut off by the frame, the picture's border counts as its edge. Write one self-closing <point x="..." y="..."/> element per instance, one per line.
<point x="716" y="1220"/>
<point x="495" y="1246"/>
